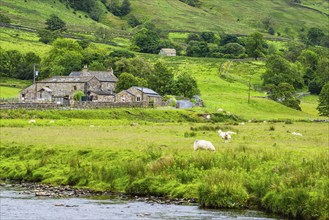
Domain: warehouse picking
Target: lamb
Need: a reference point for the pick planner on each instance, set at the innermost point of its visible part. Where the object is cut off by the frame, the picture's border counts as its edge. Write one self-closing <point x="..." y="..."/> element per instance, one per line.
<point x="204" y="145"/>
<point x="297" y="134"/>
<point x="225" y="135"/>
<point x="32" y="121"/>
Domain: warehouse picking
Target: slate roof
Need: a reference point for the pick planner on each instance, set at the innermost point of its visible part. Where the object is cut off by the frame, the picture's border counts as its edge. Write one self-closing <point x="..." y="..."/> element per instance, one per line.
<point x="67" y="79"/>
<point x="103" y="76"/>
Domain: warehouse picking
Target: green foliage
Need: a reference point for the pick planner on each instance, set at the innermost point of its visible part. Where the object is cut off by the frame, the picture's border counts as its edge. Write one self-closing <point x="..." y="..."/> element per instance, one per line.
<point x="122" y="54"/>
<point x="186" y="86"/>
<point x="314" y="36"/>
<point x="255" y="45"/>
<point x="279" y="70"/>
<point x="54" y="23"/>
<point x="323" y="106"/>
<point x="197" y="49"/>
<point x="133" y="21"/>
<point x="233" y="49"/>
<point x="147" y="41"/>
<point x="4" y="19"/>
<point x="162" y="79"/>
<point x="78" y="95"/>
<point x="284" y="93"/>
<point x="17" y="65"/>
<point x="118" y="10"/>
<point x="64" y="57"/>
<point x="125" y="81"/>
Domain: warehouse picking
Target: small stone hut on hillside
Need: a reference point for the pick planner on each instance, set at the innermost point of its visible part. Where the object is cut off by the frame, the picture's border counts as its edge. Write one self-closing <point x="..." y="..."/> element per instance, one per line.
<point x="167" y="52"/>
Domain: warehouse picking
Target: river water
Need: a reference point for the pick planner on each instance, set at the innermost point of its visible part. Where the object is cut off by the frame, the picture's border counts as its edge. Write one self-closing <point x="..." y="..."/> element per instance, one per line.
<point x="16" y="204"/>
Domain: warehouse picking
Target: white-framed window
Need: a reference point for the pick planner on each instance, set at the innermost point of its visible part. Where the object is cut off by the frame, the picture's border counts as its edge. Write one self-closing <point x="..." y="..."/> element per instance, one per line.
<point x="138" y="99"/>
<point x="123" y="99"/>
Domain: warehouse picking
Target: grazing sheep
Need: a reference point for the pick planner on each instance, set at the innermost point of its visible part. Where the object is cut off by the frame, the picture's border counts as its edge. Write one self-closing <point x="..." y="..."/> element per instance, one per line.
<point x="297" y="134"/>
<point x="225" y="135"/>
<point x="204" y="145"/>
<point x="32" y="121"/>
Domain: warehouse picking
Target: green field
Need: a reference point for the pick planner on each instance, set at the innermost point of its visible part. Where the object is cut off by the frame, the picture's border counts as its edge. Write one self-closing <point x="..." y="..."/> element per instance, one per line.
<point x="264" y="166"/>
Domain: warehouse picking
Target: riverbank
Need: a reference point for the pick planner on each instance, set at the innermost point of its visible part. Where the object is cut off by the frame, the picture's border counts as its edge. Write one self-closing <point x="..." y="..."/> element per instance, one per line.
<point x="60" y="191"/>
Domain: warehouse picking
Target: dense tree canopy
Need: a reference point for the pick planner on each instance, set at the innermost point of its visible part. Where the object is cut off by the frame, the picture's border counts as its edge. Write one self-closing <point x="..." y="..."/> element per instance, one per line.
<point x="161" y="80"/>
<point x="147" y="41"/>
<point x="186" y="86"/>
<point x="279" y="70"/>
<point x="255" y="45"/>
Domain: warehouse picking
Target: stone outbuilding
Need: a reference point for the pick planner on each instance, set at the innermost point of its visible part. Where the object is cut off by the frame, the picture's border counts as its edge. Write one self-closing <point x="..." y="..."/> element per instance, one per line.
<point x="139" y="94"/>
<point x="167" y="52"/>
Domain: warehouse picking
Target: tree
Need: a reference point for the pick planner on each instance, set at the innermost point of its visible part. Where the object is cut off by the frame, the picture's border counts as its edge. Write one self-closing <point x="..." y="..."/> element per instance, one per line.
<point x="127" y="80"/>
<point x="135" y="66"/>
<point x="314" y="36"/>
<point x="4" y="19"/>
<point x="64" y="57"/>
<point x="279" y="70"/>
<point x="192" y="37"/>
<point x="323" y="106"/>
<point x="162" y="80"/>
<point x="47" y="36"/>
<point x="208" y="37"/>
<point x="147" y="41"/>
<point x="186" y="86"/>
<point x="284" y="93"/>
<point x="55" y="23"/>
<point x="197" y="49"/>
<point x="233" y="49"/>
<point x="133" y="21"/>
<point x="226" y="38"/>
<point x="125" y="8"/>
<point x="255" y="45"/>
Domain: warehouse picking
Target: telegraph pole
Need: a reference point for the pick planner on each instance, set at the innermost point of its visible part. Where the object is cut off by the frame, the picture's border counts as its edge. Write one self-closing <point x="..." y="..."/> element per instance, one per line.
<point x="34" y="80"/>
<point x="249" y="90"/>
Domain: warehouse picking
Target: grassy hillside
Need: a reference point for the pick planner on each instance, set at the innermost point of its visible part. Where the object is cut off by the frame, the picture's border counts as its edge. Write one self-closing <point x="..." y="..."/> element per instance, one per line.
<point x="236" y="17"/>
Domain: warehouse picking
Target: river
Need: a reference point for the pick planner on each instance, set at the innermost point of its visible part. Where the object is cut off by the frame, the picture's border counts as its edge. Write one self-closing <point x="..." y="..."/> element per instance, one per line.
<point x="16" y="204"/>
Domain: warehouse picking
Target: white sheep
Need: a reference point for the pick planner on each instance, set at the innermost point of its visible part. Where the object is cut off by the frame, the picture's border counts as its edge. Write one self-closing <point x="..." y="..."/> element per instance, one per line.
<point x="32" y="121"/>
<point x="204" y="145"/>
<point x="297" y="134"/>
<point x="225" y="135"/>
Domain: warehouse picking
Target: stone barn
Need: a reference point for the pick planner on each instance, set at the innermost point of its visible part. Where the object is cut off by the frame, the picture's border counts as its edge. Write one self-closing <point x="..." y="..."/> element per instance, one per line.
<point x="167" y="52"/>
<point x="139" y="94"/>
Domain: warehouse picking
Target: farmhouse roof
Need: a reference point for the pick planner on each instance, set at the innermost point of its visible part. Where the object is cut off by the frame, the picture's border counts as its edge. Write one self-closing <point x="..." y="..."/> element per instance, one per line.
<point x="103" y="76"/>
<point x="67" y="79"/>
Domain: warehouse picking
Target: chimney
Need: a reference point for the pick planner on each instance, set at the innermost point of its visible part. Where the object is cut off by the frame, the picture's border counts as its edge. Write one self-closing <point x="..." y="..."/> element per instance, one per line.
<point x="85" y="69"/>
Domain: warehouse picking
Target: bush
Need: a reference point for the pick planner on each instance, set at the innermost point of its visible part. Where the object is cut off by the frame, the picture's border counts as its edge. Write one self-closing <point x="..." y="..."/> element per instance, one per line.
<point x="77" y="96"/>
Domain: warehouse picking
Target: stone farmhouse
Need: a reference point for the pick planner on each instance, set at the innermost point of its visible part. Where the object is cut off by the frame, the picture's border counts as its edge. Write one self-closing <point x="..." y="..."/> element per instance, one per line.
<point x="98" y="86"/>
